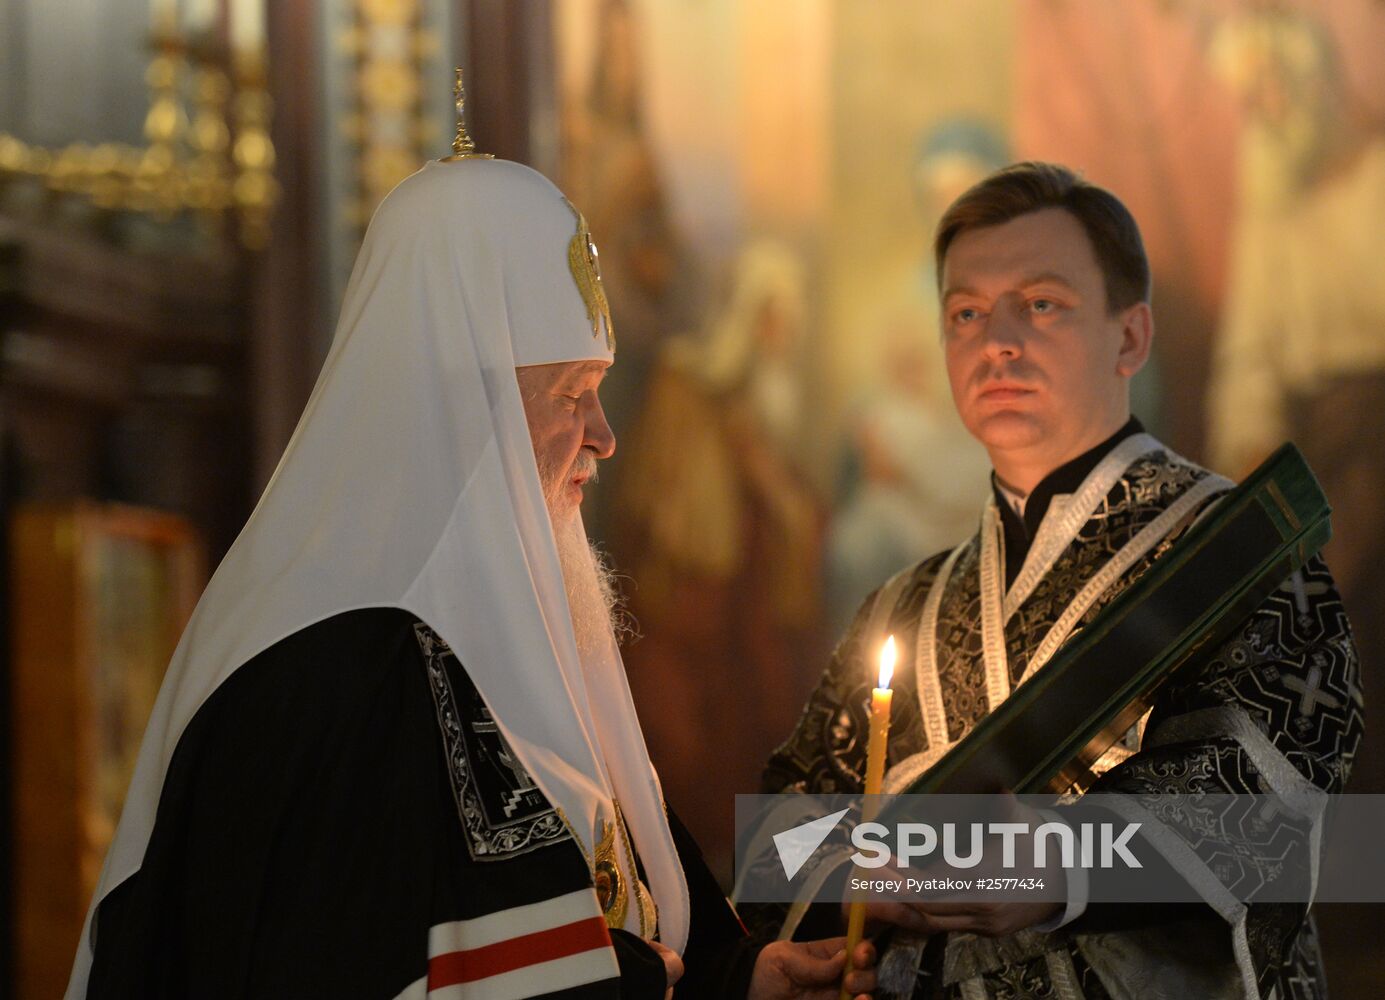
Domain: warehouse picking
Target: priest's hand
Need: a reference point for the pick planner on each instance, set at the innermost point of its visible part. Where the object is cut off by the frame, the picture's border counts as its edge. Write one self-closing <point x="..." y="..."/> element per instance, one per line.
<point x="673" y="965"/>
<point x="987" y="918"/>
<point x="977" y="913"/>
<point x="811" y="970"/>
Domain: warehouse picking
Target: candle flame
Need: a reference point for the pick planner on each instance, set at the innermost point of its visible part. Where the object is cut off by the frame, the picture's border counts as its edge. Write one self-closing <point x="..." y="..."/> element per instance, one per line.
<point x="887" y="658"/>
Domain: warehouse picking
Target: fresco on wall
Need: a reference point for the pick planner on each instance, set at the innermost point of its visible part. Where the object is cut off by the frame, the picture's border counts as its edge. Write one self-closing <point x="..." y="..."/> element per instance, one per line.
<point x="768" y="463"/>
<point x="1300" y="339"/>
<point x="1245" y="137"/>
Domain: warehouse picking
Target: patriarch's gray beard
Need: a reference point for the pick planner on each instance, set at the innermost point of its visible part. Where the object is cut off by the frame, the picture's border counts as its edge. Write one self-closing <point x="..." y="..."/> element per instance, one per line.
<point x="593" y="596"/>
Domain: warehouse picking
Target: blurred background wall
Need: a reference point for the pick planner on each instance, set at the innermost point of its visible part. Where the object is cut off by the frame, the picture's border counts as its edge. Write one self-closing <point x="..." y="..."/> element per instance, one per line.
<point x="184" y="184"/>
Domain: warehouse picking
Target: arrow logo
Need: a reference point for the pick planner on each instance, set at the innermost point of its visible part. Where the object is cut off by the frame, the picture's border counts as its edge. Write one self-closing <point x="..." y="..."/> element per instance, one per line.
<point x="797" y="845"/>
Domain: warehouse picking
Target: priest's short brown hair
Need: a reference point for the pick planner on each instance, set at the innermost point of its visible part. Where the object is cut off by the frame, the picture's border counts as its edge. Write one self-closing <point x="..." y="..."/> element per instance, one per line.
<point x="1027" y="187"/>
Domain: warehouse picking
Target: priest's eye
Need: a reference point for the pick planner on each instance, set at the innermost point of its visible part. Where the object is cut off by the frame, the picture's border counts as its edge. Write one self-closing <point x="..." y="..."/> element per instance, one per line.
<point x="1043" y="305"/>
<point x="965" y="315"/>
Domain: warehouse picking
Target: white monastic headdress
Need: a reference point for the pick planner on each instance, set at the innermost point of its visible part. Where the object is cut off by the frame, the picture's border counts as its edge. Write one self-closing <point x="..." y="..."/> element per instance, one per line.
<point x="410" y="482"/>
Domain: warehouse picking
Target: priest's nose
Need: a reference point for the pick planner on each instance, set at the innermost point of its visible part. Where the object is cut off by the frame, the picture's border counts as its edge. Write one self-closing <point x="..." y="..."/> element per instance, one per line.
<point x="1003" y="334"/>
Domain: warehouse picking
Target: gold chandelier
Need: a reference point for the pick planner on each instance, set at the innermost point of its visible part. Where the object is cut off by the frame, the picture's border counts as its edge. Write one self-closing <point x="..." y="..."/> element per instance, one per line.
<point x="208" y="150"/>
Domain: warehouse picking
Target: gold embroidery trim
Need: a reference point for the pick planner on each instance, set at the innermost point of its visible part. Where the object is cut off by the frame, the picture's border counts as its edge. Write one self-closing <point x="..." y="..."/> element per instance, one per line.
<point x="648" y="912"/>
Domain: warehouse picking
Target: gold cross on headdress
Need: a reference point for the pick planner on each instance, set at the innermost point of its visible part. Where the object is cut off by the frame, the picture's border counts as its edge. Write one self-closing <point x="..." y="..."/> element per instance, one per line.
<point x="463" y="146"/>
<point x="583" y="261"/>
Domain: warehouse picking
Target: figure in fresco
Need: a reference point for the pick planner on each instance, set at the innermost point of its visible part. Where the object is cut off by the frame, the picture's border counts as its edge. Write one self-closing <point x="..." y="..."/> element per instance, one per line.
<point x="395" y="754"/>
<point x="896" y="507"/>
<point x="900" y="505"/>
<point x="609" y="164"/>
<point x="1045" y="288"/>
<point x="726" y="540"/>
<point x="953" y="156"/>
<point x="1301" y="349"/>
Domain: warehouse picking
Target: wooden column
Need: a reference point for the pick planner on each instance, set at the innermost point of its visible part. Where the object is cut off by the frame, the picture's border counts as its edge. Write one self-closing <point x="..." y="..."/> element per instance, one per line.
<point x="509" y="50"/>
<point x="286" y="317"/>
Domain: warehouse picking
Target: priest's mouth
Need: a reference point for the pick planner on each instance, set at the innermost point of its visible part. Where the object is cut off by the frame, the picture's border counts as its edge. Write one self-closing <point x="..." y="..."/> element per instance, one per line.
<point x="1004" y="393"/>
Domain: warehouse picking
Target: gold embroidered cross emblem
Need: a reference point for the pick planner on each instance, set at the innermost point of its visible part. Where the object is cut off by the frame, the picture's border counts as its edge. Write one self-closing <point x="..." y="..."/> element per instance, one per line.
<point x="585" y="264"/>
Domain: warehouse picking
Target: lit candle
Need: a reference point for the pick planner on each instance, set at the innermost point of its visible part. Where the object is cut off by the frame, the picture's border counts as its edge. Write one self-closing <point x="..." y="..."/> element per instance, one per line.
<point x="247" y="25"/>
<point x="875" y="775"/>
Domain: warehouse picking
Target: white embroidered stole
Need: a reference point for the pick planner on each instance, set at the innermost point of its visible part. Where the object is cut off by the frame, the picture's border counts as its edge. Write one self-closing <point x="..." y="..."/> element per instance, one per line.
<point x="1066" y="517"/>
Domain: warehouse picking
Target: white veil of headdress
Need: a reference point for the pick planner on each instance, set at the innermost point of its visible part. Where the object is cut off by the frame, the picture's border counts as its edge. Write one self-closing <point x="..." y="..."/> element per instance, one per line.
<point x="410" y="482"/>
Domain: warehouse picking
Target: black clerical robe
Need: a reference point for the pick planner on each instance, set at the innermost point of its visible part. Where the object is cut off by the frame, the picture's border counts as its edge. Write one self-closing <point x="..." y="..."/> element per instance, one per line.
<point x="343" y="818"/>
<point x="1277" y="708"/>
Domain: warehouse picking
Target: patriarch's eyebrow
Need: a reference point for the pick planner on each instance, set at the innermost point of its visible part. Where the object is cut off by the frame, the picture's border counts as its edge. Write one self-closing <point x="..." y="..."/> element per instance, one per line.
<point x="585" y="371"/>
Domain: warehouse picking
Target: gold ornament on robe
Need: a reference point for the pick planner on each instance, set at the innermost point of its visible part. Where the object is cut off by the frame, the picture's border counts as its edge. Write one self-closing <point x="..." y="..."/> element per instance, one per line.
<point x="585" y="265"/>
<point x="611" y="889"/>
<point x="615" y="887"/>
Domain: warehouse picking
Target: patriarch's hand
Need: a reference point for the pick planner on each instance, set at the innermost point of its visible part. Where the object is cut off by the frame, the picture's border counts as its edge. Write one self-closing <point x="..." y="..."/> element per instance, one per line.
<point x="811" y="970"/>
<point x="673" y="965"/>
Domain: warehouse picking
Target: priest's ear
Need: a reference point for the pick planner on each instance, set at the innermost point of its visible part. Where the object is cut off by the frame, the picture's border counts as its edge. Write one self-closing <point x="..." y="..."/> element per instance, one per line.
<point x="1137" y="335"/>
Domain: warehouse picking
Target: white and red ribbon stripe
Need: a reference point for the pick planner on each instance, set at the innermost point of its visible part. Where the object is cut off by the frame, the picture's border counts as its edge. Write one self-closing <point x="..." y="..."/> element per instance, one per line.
<point x="523" y="951"/>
